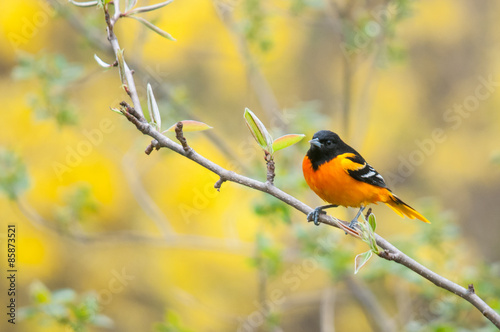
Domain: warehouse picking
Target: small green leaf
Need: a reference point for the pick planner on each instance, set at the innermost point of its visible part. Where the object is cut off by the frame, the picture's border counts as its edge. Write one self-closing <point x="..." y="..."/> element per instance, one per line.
<point x="373" y="245"/>
<point x="372" y="221"/>
<point x="361" y="260"/>
<point x="367" y="233"/>
<point x="286" y="141"/>
<point x="153" y="27"/>
<point x="154" y="111"/>
<point x="100" y="62"/>
<point x="259" y="131"/>
<point x="149" y="8"/>
<point x="190" y="125"/>
<point x="116" y="110"/>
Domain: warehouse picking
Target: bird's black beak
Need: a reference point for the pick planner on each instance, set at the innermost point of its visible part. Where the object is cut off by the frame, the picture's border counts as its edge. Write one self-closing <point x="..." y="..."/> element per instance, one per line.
<point x="315" y="143"/>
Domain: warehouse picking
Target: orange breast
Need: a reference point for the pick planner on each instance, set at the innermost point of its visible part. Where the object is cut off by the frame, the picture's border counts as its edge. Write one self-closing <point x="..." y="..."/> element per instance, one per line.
<point x="335" y="186"/>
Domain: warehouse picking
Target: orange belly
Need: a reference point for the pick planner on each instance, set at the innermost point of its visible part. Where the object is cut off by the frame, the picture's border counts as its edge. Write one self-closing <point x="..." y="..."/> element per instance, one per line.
<point x="335" y="186"/>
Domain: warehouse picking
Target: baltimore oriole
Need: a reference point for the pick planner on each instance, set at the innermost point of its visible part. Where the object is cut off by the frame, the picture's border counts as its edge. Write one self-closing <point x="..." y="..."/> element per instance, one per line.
<point x="340" y="176"/>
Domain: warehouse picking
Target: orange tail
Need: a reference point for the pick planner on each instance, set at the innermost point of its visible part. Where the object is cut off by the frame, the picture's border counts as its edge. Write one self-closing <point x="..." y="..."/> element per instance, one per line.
<point x="404" y="209"/>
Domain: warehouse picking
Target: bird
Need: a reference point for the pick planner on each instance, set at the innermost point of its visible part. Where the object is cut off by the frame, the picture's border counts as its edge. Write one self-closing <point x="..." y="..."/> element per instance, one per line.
<point x="339" y="175"/>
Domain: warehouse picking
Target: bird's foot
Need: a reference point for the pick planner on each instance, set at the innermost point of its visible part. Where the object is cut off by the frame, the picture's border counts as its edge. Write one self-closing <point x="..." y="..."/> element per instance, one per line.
<point x="353" y="224"/>
<point x="314" y="215"/>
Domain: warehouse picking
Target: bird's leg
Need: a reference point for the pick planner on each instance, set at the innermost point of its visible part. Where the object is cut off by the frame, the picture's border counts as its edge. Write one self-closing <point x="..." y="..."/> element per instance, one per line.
<point x="354" y="221"/>
<point x="314" y="215"/>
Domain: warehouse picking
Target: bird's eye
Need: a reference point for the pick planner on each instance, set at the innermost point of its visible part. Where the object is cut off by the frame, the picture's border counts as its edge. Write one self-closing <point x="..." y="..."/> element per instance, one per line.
<point x="329" y="143"/>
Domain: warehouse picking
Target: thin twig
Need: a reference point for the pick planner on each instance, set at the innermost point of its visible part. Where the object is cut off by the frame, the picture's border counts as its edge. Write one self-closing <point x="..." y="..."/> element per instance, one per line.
<point x="219" y="183"/>
<point x="394" y="254"/>
<point x="270" y="168"/>
<point x="110" y="23"/>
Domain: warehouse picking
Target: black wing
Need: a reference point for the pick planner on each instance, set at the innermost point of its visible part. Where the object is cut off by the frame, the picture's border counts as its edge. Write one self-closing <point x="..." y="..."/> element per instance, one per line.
<point x="364" y="172"/>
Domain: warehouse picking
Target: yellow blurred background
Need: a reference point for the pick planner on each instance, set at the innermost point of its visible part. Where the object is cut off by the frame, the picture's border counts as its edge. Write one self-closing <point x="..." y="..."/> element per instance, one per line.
<point x="412" y="85"/>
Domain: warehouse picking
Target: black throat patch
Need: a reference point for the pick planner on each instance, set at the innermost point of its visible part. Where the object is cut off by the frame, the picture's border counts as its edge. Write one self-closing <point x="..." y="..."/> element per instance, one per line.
<point x="331" y="147"/>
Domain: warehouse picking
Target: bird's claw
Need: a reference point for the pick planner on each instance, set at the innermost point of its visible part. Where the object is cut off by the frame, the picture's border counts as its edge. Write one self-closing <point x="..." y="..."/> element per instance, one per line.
<point x="314" y="216"/>
<point x="353" y="224"/>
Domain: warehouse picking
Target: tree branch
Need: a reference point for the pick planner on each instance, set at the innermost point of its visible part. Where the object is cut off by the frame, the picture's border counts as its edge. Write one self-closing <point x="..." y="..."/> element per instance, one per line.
<point x="390" y="252"/>
<point x="130" y="84"/>
<point x="394" y="254"/>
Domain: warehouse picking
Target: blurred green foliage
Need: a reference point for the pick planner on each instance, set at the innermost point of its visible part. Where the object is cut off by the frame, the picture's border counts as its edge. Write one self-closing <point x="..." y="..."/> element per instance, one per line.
<point x="268" y="255"/>
<point x="171" y="323"/>
<point x="255" y="26"/>
<point x="79" y="205"/>
<point x="14" y="178"/>
<point x="55" y="78"/>
<point x="64" y="307"/>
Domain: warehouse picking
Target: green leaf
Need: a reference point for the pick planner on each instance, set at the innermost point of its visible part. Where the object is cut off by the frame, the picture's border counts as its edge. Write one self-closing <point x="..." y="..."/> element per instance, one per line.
<point x="154" y="112"/>
<point x="116" y="110"/>
<point x="259" y="131"/>
<point x="367" y="233"/>
<point x="190" y="125"/>
<point x="153" y="27"/>
<point x="372" y="221"/>
<point x="361" y="260"/>
<point x="149" y="8"/>
<point x="286" y="141"/>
